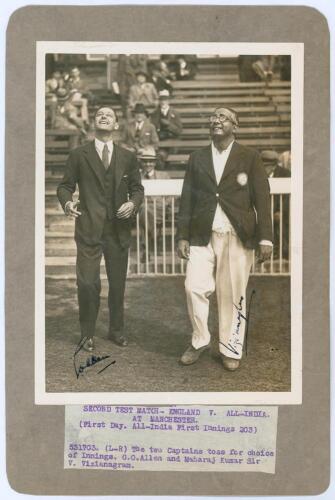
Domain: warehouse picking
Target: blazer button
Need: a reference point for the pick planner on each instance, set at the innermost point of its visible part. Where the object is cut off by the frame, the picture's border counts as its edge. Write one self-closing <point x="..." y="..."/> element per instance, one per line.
<point x="217" y="195"/>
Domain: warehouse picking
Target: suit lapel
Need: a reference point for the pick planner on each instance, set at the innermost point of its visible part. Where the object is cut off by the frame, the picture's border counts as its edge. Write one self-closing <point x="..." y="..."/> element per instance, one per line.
<point x="232" y="160"/>
<point x="118" y="165"/>
<point x="95" y="163"/>
<point x="208" y="163"/>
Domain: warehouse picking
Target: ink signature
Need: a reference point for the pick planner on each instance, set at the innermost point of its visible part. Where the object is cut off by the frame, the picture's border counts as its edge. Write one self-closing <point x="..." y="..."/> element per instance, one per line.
<point x="90" y="360"/>
<point x="240" y="316"/>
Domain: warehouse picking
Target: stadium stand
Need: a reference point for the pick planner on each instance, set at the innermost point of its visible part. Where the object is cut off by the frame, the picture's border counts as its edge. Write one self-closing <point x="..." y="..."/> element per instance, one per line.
<point x="264" y="111"/>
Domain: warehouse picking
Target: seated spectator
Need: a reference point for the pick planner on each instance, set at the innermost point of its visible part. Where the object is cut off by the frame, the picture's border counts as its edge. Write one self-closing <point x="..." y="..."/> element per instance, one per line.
<point x="128" y="66"/>
<point x="166" y="119"/>
<point x="184" y="68"/>
<point x="255" y="68"/>
<point x="158" y="77"/>
<point x="165" y="67"/>
<point x="263" y="67"/>
<point x="148" y="163"/>
<point x="273" y="170"/>
<point x="140" y="132"/>
<point x="66" y="117"/>
<point x="284" y="160"/>
<point x="143" y="92"/>
<point x="53" y="84"/>
<point x="81" y="93"/>
<point x="154" y="217"/>
<point x="272" y="166"/>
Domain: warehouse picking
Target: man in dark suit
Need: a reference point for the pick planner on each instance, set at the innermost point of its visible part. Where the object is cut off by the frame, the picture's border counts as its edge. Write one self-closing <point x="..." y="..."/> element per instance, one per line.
<point x="110" y="193"/>
<point x="166" y="119"/>
<point x="224" y="214"/>
<point x="281" y="209"/>
<point x="139" y="133"/>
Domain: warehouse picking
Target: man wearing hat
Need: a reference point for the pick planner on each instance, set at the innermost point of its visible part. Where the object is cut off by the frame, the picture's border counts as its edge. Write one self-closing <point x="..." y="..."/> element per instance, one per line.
<point x="273" y="169"/>
<point x="110" y="193"/>
<point x="148" y="162"/>
<point x="271" y="164"/>
<point x="166" y="119"/>
<point x="143" y="92"/>
<point x="225" y="186"/>
<point x="139" y="133"/>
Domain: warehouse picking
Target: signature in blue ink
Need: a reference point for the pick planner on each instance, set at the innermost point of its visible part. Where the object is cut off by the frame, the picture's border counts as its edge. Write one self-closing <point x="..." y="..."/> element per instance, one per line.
<point x="90" y="360"/>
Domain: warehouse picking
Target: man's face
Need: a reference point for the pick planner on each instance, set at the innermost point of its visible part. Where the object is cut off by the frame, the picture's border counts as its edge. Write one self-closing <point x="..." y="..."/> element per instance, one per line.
<point x="141" y="78"/>
<point x="148" y="165"/>
<point x="269" y="168"/>
<point x="105" y="120"/>
<point x="140" y="117"/>
<point x="220" y="123"/>
<point x="75" y="73"/>
<point x="164" y="103"/>
<point x="56" y="75"/>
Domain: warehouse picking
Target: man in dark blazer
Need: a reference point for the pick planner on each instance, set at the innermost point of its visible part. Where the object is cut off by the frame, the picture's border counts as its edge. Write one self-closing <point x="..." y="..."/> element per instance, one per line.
<point x="224" y="214"/>
<point x="110" y="193"/>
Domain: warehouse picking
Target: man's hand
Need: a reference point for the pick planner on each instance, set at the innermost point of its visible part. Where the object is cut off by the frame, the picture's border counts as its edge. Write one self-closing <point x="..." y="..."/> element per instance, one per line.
<point x="70" y="209"/>
<point x="126" y="210"/>
<point x="264" y="253"/>
<point x="183" y="249"/>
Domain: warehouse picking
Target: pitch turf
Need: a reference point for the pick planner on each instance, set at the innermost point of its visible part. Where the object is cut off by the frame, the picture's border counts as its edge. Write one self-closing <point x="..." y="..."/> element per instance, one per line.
<point x="159" y="331"/>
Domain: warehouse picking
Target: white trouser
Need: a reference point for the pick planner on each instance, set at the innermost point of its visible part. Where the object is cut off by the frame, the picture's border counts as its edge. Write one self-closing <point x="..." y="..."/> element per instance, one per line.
<point x="223" y="265"/>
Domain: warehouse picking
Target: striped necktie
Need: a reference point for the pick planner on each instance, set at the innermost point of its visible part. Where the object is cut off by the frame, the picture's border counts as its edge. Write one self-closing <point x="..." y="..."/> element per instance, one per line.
<point x="105" y="157"/>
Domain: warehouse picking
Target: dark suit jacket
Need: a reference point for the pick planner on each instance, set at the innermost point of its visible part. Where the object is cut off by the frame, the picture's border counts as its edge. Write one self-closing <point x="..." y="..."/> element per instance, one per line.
<point x="174" y="124"/>
<point x="85" y="169"/>
<point x="242" y="192"/>
<point x="147" y="135"/>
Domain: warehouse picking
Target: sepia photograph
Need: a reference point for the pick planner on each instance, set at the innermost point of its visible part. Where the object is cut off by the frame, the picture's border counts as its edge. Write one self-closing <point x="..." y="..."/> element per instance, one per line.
<point x="168" y="223"/>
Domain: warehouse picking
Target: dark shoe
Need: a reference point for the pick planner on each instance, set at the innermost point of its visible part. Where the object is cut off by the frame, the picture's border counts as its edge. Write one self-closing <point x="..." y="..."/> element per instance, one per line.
<point x="89" y="344"/>
<point x="230" y="364"/>
<point x="191" y="355"/>
<point x="119" y="339"/>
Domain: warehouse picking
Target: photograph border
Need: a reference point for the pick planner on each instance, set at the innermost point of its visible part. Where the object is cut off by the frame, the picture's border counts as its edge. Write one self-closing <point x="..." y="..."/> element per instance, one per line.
<point x="296" y="50"/>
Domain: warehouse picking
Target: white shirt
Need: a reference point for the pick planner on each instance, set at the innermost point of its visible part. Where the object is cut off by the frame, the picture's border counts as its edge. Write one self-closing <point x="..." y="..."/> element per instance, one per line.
<point x="221" y="223"/>
<point x="99" y="146"/>
<point x="139" y="125"/>
<point x="165" y="110"/>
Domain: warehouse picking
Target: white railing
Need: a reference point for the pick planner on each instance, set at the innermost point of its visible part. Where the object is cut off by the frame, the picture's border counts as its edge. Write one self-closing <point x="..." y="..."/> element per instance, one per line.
<point x="153" y="249"/>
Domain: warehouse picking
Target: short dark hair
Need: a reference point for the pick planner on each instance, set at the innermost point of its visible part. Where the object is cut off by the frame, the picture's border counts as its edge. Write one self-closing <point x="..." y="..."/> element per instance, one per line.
<point x="105" y="106"/>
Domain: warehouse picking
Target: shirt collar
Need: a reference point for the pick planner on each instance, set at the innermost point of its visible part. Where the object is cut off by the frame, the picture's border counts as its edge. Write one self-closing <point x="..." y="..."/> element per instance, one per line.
<point x="99" y="145"/>
<point x="226" y="151"/>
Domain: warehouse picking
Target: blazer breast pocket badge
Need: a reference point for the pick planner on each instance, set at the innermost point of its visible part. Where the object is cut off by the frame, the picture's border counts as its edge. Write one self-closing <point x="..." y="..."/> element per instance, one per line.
<point x="242" y="179"/>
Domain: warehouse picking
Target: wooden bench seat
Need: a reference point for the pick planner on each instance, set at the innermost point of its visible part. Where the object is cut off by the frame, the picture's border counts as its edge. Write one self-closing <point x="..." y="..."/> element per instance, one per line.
<point x="215" y="83"/>
<point x="63" y="132"/>
<point x="199" y="101"/>
<point x="203" y="121"/>
<point x="206" y="110"/>
<point x="261" y="131"/>
<point x="195" y="144"/>
<point x="220" y="92"/>
<point x="216" y="76"/>
<point x="56" y="145"/>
